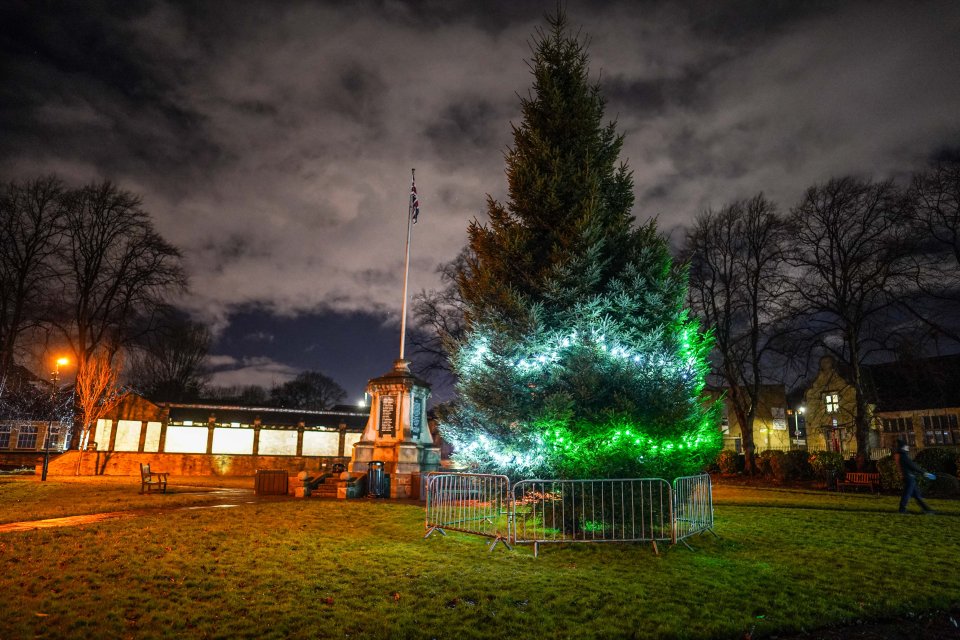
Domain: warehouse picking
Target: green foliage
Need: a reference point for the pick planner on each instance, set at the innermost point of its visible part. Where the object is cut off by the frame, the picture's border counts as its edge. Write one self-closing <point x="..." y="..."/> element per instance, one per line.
<point x="578" y="358"/>
<point x="770" y="464"/>
<point x="827" y="466"/>
<point x="798" y="465"/>
<point x="890" y="478"/>
<point x="785" y="465"/>
<point x="945" y="485"/>
<point x="937" y="460"/>
<point x="730" y="462"/>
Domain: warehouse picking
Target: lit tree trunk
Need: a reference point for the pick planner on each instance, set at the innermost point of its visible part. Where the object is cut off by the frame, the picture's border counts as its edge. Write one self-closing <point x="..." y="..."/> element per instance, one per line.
<point x="97" y="394"/>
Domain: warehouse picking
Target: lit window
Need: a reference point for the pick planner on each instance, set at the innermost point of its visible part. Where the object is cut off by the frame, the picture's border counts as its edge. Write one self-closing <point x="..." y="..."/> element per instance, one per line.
<point x="27" y="438"/>
<point x="832" y="400"/>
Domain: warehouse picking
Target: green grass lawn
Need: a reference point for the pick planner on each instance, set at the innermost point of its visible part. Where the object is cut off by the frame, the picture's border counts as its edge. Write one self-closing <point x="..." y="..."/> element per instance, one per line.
<point x="786" y="561"/>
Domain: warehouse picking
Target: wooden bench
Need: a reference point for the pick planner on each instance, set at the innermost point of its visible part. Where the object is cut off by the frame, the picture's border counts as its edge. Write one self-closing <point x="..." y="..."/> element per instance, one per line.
<point x="856" y="480"/>
<point x="150" y="480"/>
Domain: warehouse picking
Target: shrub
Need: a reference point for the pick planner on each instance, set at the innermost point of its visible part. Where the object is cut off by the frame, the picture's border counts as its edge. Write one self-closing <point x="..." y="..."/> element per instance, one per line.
<point x="762" y="463"/>
<point x="798" y="464"/>
<point x="775" y="465"/>
<point x="938" y="460"/>
<point x="892" y="480"/>
<point x="945" y="485"/>
<point x="827" y="466"/>
<point x="889" y="474"/>
<point x="730" y="462"/>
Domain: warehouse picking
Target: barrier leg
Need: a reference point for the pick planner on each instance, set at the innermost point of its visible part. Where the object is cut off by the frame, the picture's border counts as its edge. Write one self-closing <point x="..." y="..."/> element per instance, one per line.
<point x="499" y="540"/>
<point x="432" y="529"/>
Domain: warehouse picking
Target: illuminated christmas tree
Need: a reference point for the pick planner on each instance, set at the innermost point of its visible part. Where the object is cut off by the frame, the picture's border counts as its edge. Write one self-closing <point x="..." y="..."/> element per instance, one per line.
<point x="579" y="359"/>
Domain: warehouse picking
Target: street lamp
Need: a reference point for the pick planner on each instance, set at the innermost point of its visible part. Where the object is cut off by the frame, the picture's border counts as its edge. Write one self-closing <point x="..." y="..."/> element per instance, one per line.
<point x="796" y="423"/>
<point x="54" y="382"/>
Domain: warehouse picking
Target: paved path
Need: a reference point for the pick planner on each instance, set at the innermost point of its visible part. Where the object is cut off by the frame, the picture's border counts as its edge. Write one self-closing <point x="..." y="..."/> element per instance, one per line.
<point x="229" y="498"/>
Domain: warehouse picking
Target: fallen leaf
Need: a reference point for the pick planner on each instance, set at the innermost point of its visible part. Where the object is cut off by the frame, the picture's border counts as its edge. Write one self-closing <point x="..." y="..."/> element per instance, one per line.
<point x="42" y="615"/>
<point x="396" y="596"/>
<point x="328" y="600"/>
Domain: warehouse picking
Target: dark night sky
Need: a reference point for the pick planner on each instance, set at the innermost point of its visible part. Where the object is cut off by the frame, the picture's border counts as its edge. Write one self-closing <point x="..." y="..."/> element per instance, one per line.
<point x="272" y="142"/>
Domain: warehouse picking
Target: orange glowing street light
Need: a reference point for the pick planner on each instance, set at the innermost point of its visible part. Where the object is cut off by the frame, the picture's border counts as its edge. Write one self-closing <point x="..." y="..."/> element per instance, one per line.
<point x="54" y="381"/>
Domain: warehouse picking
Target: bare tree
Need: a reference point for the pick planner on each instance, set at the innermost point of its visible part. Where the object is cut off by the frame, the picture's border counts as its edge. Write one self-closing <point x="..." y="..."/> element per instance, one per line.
<point x="118" y="272"/>
<point x="935" y="210"/>
<point x="309" y="390"/>
<point x="251" y="395"/>
<point x="97" y="393"/>
<point x="31" y="229"/>
<point x="440" y="319"/>
<point x="736" y="280"/>
<point x="853" y="263"/>
<point x="936" y="198"/>
<point x="168" y="362"/>
<point x="118" y="269"/>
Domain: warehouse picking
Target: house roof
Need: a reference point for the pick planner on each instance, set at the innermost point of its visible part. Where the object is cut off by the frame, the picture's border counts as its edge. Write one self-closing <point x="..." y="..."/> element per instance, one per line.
<point x="910" y="384"/>
<point x="268" y="416"/>
<point x="905" y="385"/>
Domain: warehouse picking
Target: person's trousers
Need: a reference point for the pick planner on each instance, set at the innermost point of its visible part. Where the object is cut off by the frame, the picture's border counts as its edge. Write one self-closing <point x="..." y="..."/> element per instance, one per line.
<point x="910" y="490"/>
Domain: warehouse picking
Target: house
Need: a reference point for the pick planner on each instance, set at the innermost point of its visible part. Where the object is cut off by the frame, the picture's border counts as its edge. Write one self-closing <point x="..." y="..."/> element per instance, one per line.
<point x="770" y="425"/>
<point x="916" y="399"/>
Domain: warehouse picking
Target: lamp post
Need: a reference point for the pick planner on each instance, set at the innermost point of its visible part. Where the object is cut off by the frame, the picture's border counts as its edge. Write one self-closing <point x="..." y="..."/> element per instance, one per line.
<point x="796" y="423"/>
<point x="54" y="382"/>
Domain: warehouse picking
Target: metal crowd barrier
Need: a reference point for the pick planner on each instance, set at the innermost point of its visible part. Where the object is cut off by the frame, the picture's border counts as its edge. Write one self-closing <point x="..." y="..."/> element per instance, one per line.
<point x="470" y="503"/>
<point x="620" y="510"/>
<point x="692" y="507"/>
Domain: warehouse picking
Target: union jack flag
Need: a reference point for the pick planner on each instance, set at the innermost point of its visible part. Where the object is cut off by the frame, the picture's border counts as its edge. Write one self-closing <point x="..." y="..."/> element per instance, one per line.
<point x="414" y="202"/>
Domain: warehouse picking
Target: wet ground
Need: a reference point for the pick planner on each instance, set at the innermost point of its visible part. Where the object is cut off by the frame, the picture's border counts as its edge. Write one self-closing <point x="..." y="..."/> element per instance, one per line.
<point x="221" y="498"/>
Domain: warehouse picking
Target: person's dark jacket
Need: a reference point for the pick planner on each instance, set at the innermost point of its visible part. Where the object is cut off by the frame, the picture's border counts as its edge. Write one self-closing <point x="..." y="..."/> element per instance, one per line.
<point x="908" y="466"/>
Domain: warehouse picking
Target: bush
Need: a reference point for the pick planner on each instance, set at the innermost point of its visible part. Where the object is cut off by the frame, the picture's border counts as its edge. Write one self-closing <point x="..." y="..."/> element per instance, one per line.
<point x="775" y="465"/>
<point x="798" y="464"/>
<point x="827" y="466"/>
<point x="730" y="462"/>
<point x="945" y="485"/>
<point x="938" y="460"/>
<point x="892" y="480"/>
<point x="889" y="474"/>
<point x="762" y="464"/>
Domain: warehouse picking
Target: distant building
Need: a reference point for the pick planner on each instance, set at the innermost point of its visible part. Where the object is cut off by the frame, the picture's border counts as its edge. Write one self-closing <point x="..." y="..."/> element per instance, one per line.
<point x="917" y="400"/>
<point x="771" y="429"/>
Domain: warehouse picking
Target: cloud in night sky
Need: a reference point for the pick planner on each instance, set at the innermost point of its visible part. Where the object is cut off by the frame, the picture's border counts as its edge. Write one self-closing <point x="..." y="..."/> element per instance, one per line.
<point x="273" y="142"/>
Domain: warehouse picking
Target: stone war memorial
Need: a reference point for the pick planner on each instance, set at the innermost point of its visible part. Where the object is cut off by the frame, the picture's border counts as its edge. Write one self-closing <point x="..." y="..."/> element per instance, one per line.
<point x="397" y="434"/>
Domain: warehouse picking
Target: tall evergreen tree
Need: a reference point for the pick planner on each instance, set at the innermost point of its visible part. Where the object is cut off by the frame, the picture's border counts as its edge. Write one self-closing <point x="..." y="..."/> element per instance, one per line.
<point x="578" y="359"/>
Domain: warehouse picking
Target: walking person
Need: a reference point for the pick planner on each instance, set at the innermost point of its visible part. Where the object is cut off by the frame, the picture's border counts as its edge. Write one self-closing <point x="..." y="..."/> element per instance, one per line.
<point x="910" y="470"/>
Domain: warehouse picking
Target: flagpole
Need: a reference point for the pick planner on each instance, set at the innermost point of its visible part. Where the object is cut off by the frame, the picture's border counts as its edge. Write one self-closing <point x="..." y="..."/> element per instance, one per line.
<point x="406" y="267"/>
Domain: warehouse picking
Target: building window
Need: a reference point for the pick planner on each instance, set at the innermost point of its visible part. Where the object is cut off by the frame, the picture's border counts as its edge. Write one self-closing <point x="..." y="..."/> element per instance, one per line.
<point x="27" y="438"/>
<point x="940" y="430"/>
<point x="898" y="425"/>
<point x="4" y="436"/>
<point x="832" y="400"/>
<point x="52" y="435"/>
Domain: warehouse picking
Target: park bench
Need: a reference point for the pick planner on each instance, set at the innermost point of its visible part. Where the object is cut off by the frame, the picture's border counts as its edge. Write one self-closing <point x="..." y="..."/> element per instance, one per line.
<point x="856" y="480"/>
<point x="150" y="480"/>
